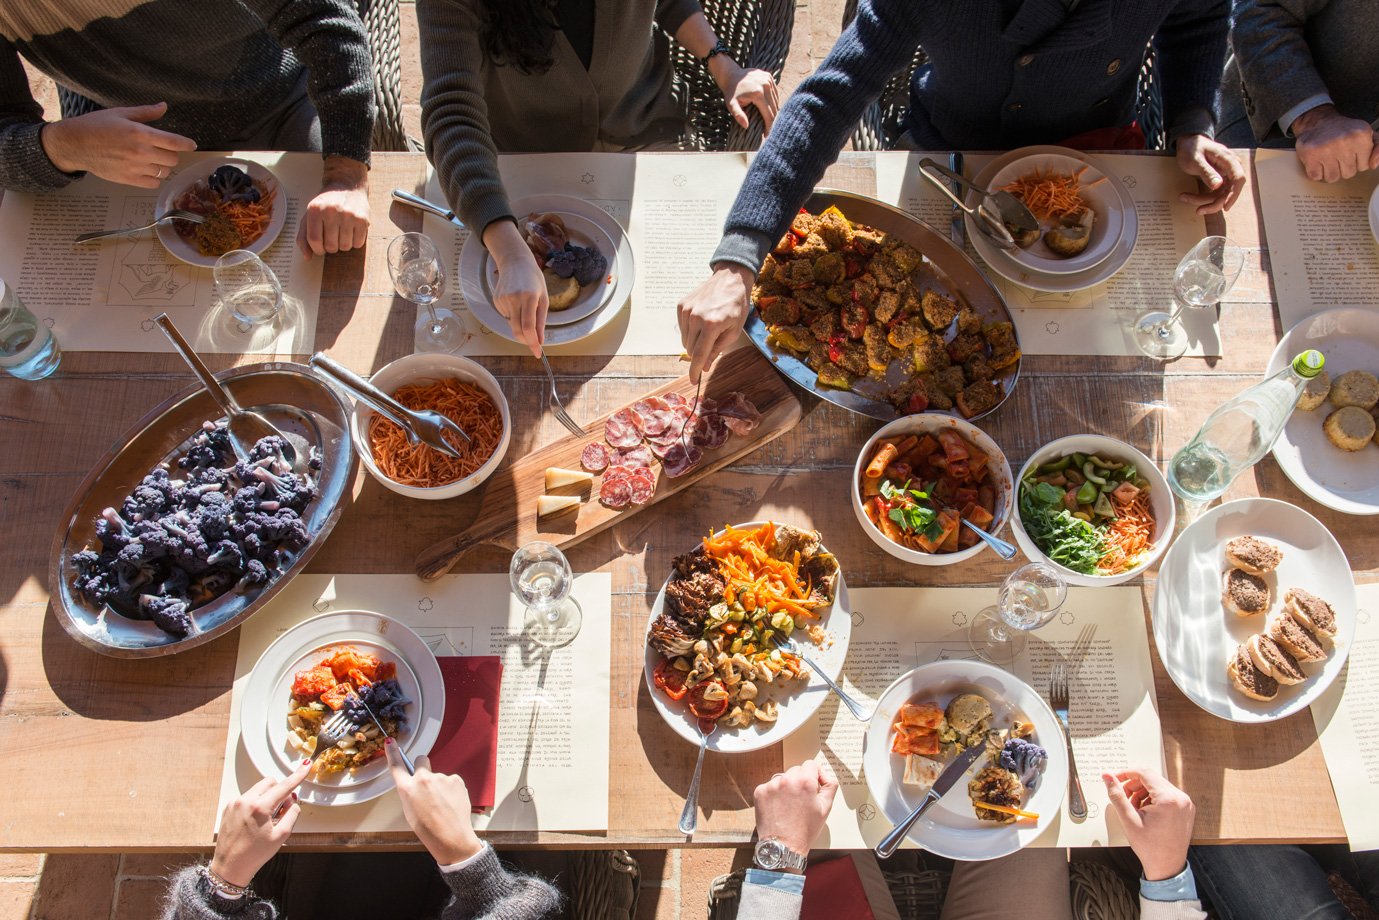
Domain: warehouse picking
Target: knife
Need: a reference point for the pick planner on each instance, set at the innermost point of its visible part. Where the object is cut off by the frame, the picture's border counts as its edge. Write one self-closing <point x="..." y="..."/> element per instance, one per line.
<point x="957" y="232"/>
<point x="421" y="204"/>
<point x="407" y="761"/>
<point x="950" y="775"/>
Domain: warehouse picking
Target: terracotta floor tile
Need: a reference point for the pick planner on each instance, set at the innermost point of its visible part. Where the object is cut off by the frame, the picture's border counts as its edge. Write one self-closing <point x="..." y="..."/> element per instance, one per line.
<point x="657" y="865"/>
<point x="76" y="887"/>
<point x="659" y="904"/>
<point x="21" y="865"/>
<point x="16" y="900"/>
<point x="140" y="899"/>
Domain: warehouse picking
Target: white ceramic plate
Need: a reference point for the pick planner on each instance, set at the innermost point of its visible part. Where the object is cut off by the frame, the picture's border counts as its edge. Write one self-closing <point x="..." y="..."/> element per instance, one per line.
<point x="267" y="696"/>
<point x="1344" y="480"/>
<point x="1108" y="225"/>
<point x="474" y="262"/>
<point x="1196" y="636"/>
<point x="1006" y="266"/>
<point x="797" y="703"/>
<point x="594" y="296"/>
<point x="950" y="827"/>
<point x="184" y="178"/>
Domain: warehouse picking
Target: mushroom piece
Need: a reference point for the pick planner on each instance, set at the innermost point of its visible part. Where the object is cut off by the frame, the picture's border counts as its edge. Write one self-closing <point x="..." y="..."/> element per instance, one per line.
<point x="1023" y="238"/>
<point x="748" y="691"/>
<point x="766" y="713"/>
<point x="1072" y="234"/>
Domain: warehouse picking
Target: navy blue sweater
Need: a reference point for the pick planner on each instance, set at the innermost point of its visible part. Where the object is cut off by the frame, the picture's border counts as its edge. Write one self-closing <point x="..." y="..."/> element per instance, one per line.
<point x="1003" y="74"/>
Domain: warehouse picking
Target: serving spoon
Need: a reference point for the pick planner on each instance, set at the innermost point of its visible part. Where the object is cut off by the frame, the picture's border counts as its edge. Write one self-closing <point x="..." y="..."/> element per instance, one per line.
<point x="1003" y="549"/>
<point x="689" y="816"/>
<point x="1009" y="209"/>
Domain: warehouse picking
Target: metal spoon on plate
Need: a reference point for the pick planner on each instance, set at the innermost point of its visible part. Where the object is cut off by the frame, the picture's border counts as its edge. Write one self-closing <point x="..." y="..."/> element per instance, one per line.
<point x="1003" y="549"/>
<point x="996" y="212"/>
<point x="689" y="816"/>
<point x="421" y="425"/>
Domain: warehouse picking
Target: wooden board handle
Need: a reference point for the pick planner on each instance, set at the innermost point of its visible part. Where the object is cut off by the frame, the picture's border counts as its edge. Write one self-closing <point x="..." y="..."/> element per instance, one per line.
<point x="439" y="558"/>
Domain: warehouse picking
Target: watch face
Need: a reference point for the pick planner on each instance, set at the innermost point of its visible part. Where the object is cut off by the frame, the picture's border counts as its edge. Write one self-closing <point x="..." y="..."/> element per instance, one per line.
<point x="769" y="854"/>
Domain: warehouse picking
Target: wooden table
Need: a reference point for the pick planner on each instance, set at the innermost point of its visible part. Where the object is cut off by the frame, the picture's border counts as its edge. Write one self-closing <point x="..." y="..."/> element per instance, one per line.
<point x="126" y="755"/>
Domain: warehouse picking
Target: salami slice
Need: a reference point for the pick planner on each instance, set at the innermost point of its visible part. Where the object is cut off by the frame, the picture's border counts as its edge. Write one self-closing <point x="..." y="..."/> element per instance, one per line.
<point x="643" y="489"/>
<point x="661" y="448"/>
<point x="594" y="458"/>
<point x="674" y="399"/>
<point x="711" y="431"/>
<point x="639" y="456"/>
<point x="616" y="493"/>
<point x="621" y="429"/>
<point x="739" y="412"/>
<point x="618" y="471"/>
<point x="656" y="422"/>
<point x="679" y="460"/>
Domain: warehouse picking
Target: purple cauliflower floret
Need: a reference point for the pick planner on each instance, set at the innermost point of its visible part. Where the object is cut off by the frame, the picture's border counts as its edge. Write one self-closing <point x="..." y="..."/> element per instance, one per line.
<point x="1025" y="759"/>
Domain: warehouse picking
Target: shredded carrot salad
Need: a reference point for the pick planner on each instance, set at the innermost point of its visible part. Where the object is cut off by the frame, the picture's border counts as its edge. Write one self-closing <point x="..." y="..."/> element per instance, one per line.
<point x="251" y="218"/>
<point x="1128" y="537"/>
<point x="418" y="465"/>
<point x="755" y="577"/>
<point x="1051" y="195"/>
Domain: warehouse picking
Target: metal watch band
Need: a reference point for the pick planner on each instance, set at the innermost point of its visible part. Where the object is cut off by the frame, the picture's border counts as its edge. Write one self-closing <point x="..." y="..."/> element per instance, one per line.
<point x="720" y="48"/>
<point x="789" y="859"/>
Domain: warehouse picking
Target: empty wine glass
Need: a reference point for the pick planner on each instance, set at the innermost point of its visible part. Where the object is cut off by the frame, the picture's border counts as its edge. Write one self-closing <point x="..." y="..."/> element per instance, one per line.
<point x="419" y="275"/>
<point x="541" y="577"/>
<point x="247" y="287"/>
<point x="1202" y="278"/>
<point x="1029" y="598"/>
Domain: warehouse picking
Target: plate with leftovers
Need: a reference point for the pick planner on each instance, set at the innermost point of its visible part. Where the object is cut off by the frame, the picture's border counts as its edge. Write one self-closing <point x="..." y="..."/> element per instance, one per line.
<point x="710" y="652"/>
<point x="1330" y="446"/>
<point x="244" y="205"/>
<point x="1009" y="267"/>
<point x="579" y="225"/>
<point x="1079" y="212"/>
<point x="1095" y="508"/>
<point x="309" y="672"/>
<point x="1009" y="795"/>
<point x="1254" y="610"/>
<point x="920" y="477"/>
<point x="877" y="312"/>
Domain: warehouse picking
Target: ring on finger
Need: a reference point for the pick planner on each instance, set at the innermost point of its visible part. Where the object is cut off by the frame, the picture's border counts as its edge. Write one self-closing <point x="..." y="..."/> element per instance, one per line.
<point x="159" y="174"/>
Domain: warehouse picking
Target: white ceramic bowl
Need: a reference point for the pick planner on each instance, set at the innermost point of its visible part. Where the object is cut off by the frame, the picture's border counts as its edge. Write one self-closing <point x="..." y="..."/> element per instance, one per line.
<point x="186" y="177"/>
<point x="419" y="369"/>
<point x="1160" y="500"/>
<point x="931" y="423"/>
<point x="1107" y="227"/>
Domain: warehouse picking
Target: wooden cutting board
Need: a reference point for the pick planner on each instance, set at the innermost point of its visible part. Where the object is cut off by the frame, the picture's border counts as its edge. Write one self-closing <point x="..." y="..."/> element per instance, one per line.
<point x="507" y="514"/>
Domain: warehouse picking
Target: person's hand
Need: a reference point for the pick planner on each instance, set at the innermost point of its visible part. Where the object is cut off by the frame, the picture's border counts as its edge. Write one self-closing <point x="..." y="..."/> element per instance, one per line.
<point x="255" y="826"/>
<point x="337" y="219"/>
<point x="742" y="87"/>
<point x="712" y="315"/>
<point x="1157" y="817"/>
<point x="1332" y="147"/>
<point x="520" y="294"/>
<point x="116" y="144"/>
<point x="436" y="805"/>
<point x="1218" y="168"/>
<point x="793" y="806"/>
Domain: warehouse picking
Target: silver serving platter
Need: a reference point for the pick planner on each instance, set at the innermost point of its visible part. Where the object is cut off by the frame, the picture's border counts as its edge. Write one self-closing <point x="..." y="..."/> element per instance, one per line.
<point x="297" y="402"/>
<point x="958" y="273"/>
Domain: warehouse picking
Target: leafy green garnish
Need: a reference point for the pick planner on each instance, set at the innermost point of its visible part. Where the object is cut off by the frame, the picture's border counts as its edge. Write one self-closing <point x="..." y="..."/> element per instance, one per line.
<point x="1069" y="541"/>
<point x="913" y="513"/>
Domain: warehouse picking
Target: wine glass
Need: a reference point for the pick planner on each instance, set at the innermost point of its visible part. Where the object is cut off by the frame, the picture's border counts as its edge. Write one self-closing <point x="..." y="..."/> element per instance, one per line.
<point x="419" y="276"/>
<point x="1202" y="278"/>
<point x="247" y="287"/>
<point x="541" y="577"/>
<point x="1029" y="598"/>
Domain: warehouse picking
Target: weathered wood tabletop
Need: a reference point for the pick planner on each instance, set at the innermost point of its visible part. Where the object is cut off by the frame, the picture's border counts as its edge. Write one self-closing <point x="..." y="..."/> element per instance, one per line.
<point x="126" y="755"/>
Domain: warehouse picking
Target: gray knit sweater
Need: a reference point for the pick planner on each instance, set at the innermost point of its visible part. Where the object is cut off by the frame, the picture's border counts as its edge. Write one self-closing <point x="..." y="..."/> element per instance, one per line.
<point x="221" y="66"/>
<point x="481" y="890"/>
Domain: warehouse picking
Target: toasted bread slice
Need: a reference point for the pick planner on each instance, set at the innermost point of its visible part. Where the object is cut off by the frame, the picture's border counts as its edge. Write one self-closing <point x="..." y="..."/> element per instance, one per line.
<point x="1253" y="555"/>
<point x="1249" y="679"/>
<point x="1244" y="594"/>
<point x="1297" y="639"/>
<point x="1274" y="660"/>
<point x="1311" y="611"/>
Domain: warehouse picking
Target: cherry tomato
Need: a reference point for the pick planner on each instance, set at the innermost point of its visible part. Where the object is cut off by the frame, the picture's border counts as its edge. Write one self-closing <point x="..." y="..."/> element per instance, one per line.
<point x="669" y="680"/>
<point x="708" y="709"/>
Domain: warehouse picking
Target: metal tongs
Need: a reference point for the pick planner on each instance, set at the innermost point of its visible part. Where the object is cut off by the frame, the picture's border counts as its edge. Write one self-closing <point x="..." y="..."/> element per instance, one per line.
<point x="1009" y="210"/>
<point x="422" y="425"/>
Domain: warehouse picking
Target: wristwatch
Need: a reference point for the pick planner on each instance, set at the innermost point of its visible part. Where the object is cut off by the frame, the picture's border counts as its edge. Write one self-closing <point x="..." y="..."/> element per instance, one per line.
<point x="774" y="856"/>
<point x="720" y="48"/>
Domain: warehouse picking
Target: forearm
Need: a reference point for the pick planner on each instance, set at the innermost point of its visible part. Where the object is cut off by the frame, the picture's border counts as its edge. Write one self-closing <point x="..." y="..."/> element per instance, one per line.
<point x="699" y="38"/>
<point x="24" y="161"/>
<point x="1192" y="45"/>
<point x="344" y="173"/>
<point x="1276" y="64"/>
<point x="189" y="899"/>
<point x="482" y="888"/>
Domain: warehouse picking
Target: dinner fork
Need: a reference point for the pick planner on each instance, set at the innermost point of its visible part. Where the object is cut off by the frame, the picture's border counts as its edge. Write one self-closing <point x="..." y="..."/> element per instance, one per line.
<point x="859" y="712"/>
<point x="1081" y="647"/>
<point x="332" y="732"/>
<point x="176" y="214"/>
<point x="1058" y="698"/>
<point x="557" y="407"/>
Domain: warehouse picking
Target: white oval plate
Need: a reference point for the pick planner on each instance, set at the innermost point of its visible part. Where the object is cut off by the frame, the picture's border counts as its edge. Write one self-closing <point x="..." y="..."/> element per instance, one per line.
<point x="264" y="705"/>
<point x="621" y="265"/>
<point x="1345" y="480"/>
<point x="594" y="296"/>
<point x="950" y="827"/>
<point x="1011" y="270"/>
<point x="184" y="178"/>
<point x="1196" y="635"/>
<point x="1107" y="228"/>
<point x="797" y="704"/>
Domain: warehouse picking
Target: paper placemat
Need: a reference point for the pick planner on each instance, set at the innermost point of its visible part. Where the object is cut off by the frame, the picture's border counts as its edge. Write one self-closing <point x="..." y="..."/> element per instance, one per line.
<point x="547" y="748"/>
<point x="102" y="296"/>
<point x="1114" y="714"/>
<point x="1321" y="250"/>
<point x="1098" y="320"/>
<point x="1348" y="727"/>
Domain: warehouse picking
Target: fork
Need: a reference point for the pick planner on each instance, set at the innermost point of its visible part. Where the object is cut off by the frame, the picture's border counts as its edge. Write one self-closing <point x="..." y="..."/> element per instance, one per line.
<point x="176" y="214"/>
<point x="1082" y="647"/>
<point x="556" y="405"/>
<point x="420" y="425"/>
<point x="1058" y="697"/>
<point x="859" y="712"/>
<point x="332" y="732"/>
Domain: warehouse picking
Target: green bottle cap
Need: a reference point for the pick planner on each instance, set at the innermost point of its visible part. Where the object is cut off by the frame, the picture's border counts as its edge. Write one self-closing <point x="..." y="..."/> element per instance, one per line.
<point x="1309" y="364"/>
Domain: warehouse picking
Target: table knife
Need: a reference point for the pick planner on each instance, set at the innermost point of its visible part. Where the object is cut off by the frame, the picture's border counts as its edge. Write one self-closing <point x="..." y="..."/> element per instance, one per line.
<point x="421" y="204"/>
<point x="950" y="775"/>
<point x="406" y="761"/>
<point x="956" y="230"/>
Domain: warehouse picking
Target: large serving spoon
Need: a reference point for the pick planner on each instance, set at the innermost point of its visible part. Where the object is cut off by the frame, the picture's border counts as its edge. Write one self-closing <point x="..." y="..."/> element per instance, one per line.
<point x="689" y="816"/>
<point x="244" y="426"/>
<point x="991" y="223"/>
<point x="421" y="426"/>
<point x="1003" y="549"/>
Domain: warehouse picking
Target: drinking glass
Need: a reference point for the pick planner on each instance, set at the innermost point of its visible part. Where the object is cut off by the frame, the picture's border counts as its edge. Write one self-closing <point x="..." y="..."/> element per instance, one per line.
<point x="28" y="349"/>
<point x="1029" y="598"/>
<point x="1202" y="278"/>
<point x="541" y="577"/>
<point x="247" y="287"/>
<point x="419" y="276"/>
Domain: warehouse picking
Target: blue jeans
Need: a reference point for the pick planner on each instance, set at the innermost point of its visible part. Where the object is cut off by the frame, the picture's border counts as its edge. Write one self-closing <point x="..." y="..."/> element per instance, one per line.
<point x="1281" y="881"/>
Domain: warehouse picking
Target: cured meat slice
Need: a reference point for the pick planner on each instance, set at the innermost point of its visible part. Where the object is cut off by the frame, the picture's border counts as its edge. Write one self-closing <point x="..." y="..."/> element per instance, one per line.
<point x="594" y="458"/>
<point x="661" y="448"/>
<point x="643" y="489"/>
<point x="656" y="422"/>
<point x="650" y="415"/>
<point x="680" y="459"/>
<point x="639" y="456"/>
<point x="674" y="399"/>
<point x="615" y="493"/>
<point x="739" y="412"/>
<point x="621" y="429"/>
<point x="619" y="471"/>
<point x="704" y="406"/>
<point x="710" y="431"/>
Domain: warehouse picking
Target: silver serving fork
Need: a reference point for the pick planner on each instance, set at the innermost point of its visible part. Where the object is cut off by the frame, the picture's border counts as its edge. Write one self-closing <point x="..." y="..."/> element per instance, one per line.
<point x="859" y="712"/>
<point x="178" y="214"/>
<point x="420" y="425"/>
<point x="557" y="407"/>
<point x="1058" y="698"/>
<point x="332" y="732"/>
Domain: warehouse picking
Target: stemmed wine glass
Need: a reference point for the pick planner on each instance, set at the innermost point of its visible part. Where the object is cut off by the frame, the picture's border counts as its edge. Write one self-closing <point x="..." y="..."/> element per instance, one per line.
<point x="1029" y="598"/>
<point x="541" y="577"/>
<point x="419" y="276"/>
<point x="1202" y="278"/>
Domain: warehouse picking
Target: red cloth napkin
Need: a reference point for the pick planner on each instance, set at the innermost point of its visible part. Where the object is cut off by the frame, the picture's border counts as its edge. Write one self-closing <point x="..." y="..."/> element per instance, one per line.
<point x="833" y="889"/>
<point x="468" y="741"/>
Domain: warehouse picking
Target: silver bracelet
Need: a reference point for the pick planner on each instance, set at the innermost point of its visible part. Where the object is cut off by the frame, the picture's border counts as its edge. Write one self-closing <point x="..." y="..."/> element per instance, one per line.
<point x="227" y="890"/>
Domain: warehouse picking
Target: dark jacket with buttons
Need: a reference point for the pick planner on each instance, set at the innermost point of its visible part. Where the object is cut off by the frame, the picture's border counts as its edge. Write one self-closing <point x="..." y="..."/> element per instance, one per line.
<point x="1002" y="74"/>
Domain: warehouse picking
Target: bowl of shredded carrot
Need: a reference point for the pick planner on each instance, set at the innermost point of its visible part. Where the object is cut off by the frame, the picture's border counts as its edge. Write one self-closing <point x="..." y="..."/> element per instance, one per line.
<point x="459" y="389"/>
<point x="1058" y="189"/>
<point x="1094" y="507"/>
<point x="249" y="216"/>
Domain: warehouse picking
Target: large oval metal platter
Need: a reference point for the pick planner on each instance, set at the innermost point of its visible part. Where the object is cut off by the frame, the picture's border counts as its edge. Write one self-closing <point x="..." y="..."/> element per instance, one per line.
<point x="297" y="402"/>
<point x="959" y="274"/>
